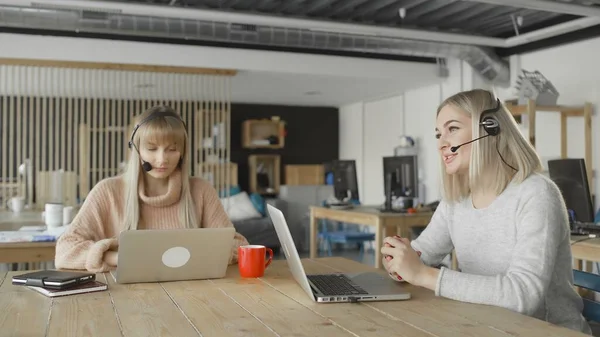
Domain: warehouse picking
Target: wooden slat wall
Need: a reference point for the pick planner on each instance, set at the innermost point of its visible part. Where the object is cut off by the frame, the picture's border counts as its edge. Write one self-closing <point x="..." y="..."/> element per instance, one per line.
<point x="71" y="126"/>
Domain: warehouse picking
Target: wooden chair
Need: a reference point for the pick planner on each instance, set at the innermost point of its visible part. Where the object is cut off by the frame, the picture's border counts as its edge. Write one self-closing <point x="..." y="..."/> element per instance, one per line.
<point x="591" y="308"/>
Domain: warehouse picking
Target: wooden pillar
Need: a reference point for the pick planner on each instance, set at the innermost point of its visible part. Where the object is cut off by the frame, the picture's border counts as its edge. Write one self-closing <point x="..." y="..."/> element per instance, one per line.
<point x="531" y="107"/>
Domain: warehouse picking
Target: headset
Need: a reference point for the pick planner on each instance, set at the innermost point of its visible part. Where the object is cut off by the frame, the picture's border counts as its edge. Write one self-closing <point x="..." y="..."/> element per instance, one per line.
<point x="489" y="123"/>
<point x="488" y="120"/>
<point x="491" y="127"/>
<point x="162" y="112"/>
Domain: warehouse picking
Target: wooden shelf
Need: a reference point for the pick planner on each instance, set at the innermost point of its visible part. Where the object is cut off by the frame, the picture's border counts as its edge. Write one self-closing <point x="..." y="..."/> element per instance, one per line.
<point x="256" y="134"/>
<point x="304" y="175"/>
<point x="265" y="173"/>
<point x="584" y="111"/>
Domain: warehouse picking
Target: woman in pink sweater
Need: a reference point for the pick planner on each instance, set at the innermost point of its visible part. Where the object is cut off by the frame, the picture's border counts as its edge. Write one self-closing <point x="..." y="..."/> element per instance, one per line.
<point x="156" y="192"/>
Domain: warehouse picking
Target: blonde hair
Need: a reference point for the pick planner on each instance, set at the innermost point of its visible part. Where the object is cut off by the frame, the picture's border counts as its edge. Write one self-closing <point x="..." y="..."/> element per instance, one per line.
<point x="161" y="129"/>
<point x="491" y="157"/>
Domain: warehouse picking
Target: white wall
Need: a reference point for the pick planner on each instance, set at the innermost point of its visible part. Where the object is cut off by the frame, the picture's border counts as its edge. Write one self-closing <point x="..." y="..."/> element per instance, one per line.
<point x="574" y="71"/>
<point x="380" y="123"/>
<point x="351" y="135"/>
<point x="572" y="68"/>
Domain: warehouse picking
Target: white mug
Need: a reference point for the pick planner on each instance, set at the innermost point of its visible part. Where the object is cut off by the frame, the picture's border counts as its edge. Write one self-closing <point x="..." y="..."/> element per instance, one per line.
<point x="53" y="214"/>
<point x="68" y="213"/>
<point x="16" y="204"/>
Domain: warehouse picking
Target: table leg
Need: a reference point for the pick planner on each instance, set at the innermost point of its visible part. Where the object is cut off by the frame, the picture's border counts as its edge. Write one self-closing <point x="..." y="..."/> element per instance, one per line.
<point x="378" y="243"/>
<point x="313" y="235"/>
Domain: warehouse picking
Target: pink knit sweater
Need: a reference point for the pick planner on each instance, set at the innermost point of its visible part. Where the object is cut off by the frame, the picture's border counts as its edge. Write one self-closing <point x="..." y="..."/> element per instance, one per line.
<point x="98" y="223"/>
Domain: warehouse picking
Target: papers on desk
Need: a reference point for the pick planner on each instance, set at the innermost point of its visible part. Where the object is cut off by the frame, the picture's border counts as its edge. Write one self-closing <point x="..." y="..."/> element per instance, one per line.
<point x="32" y="234"/>
<point x="33" y="228"/>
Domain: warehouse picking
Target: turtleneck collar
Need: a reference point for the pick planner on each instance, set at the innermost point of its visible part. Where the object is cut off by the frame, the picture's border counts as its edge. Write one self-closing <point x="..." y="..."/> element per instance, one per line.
<point x="171" y="197"/>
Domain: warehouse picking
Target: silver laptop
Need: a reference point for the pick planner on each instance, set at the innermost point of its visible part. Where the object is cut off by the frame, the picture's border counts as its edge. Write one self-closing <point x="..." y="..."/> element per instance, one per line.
<point x="337" y="287"/>
<point x="155" y="255"/>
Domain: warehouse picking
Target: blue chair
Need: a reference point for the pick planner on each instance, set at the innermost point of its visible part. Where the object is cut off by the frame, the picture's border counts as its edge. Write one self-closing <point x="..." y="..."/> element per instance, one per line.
<point x="343" y="233"/>
<point x="591" y="308"/>
<point x="331" y="232"/>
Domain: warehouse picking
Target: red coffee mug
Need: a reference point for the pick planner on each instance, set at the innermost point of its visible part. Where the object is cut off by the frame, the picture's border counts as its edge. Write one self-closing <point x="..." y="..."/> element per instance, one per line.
<point x="251" y="260"/>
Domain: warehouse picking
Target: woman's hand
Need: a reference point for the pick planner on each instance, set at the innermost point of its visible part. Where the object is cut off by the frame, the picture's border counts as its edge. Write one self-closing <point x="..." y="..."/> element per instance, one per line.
<point x="111" y="257"/>
<point x="401" y="259"/>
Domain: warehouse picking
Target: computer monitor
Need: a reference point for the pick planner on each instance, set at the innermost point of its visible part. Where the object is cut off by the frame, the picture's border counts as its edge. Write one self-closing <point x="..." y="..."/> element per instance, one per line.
<point x="570" y="176"/>
<point x="345" y="182"/>
<point x="400" y="172"/>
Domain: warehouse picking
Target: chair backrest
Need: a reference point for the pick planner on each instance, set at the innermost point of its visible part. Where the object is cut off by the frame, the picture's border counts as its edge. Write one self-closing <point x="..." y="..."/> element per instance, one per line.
<point x="591" y="308"/>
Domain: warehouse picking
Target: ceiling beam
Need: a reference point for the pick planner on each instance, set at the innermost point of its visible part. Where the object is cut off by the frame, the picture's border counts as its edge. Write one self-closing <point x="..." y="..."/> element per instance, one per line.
<point x="263" y="20"/>
<point x="552" y="31"/>
<point x="285" y="6"/>
<point x="316" y="6"/>
<point x="427" y="7"/>
<point x="369" y="7"/>
<point x="348" y="4"/>
<point x="452" y="11"/>
<point x="392" y="13"/>
<point x="311" y="25"/>
<point x="547" y="6"/>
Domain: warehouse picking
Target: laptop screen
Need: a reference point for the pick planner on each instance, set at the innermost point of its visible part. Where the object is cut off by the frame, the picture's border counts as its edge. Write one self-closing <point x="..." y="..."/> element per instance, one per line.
<point x="289" y="249"/>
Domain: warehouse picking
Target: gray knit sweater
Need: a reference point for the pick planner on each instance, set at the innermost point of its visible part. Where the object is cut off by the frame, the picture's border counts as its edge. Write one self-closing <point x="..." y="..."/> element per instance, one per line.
<point x="515" y="253"/>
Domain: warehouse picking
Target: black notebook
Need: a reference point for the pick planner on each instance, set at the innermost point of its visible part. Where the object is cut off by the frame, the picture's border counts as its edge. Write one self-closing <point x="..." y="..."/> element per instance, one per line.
<point x="53" y="279"/>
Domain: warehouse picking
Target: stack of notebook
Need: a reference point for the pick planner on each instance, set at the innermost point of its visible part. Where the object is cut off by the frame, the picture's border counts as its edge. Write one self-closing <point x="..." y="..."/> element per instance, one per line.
<point x="53" y="283"/>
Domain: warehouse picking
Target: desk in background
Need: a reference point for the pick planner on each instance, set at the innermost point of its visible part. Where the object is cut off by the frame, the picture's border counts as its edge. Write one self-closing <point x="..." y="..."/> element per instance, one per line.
<point x="586" y="249"/>
<point x="33" y="253"/>
<point x="386" y="224"/>
<point x="274" y="305"/>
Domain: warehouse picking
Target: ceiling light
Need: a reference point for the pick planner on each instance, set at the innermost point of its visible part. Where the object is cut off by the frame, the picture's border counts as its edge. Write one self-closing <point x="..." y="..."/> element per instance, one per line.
<point x="402" y="12"/>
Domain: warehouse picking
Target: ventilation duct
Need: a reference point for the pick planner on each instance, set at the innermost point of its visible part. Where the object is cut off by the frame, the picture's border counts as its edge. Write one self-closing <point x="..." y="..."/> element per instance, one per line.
<point x="482" y="59"/>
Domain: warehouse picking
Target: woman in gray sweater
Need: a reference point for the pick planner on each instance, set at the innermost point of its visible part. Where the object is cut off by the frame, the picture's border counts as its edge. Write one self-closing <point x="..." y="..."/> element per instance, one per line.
<point x="507" y="222"/>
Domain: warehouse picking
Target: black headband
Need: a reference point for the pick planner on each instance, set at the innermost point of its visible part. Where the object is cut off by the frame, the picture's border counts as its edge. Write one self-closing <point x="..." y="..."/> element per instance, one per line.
<point x="495" y="109"/>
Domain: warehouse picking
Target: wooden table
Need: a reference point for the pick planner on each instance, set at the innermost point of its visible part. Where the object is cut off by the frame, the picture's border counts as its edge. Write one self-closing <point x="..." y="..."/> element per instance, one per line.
<point x="19" y="252"/>
<point x="585" y="248"/>
<point x="10" y="221"/>
<point x="274" y="305"/>
<point x="392" y="223"/>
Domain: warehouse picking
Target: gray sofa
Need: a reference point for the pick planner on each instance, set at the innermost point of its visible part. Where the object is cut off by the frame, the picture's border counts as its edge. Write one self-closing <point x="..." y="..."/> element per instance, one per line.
<point x="294" y="202"/>
<point x="260" y="231"/>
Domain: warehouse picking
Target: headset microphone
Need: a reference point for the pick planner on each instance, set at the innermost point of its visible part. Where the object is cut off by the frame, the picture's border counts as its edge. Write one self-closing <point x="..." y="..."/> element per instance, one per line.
<point x="455" y="148"/>
<point x="160" y="113"/>
<point x="490" y="125"/>
<point x="146" y="166"/>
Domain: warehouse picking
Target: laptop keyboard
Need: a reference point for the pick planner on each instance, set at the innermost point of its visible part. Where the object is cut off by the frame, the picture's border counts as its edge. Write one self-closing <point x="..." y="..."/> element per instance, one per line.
<point x="335" y="285"/>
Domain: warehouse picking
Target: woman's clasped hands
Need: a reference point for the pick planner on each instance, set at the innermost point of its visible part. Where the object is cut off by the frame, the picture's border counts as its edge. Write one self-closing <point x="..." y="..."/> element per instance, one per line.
<point x="401" y="261"/>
